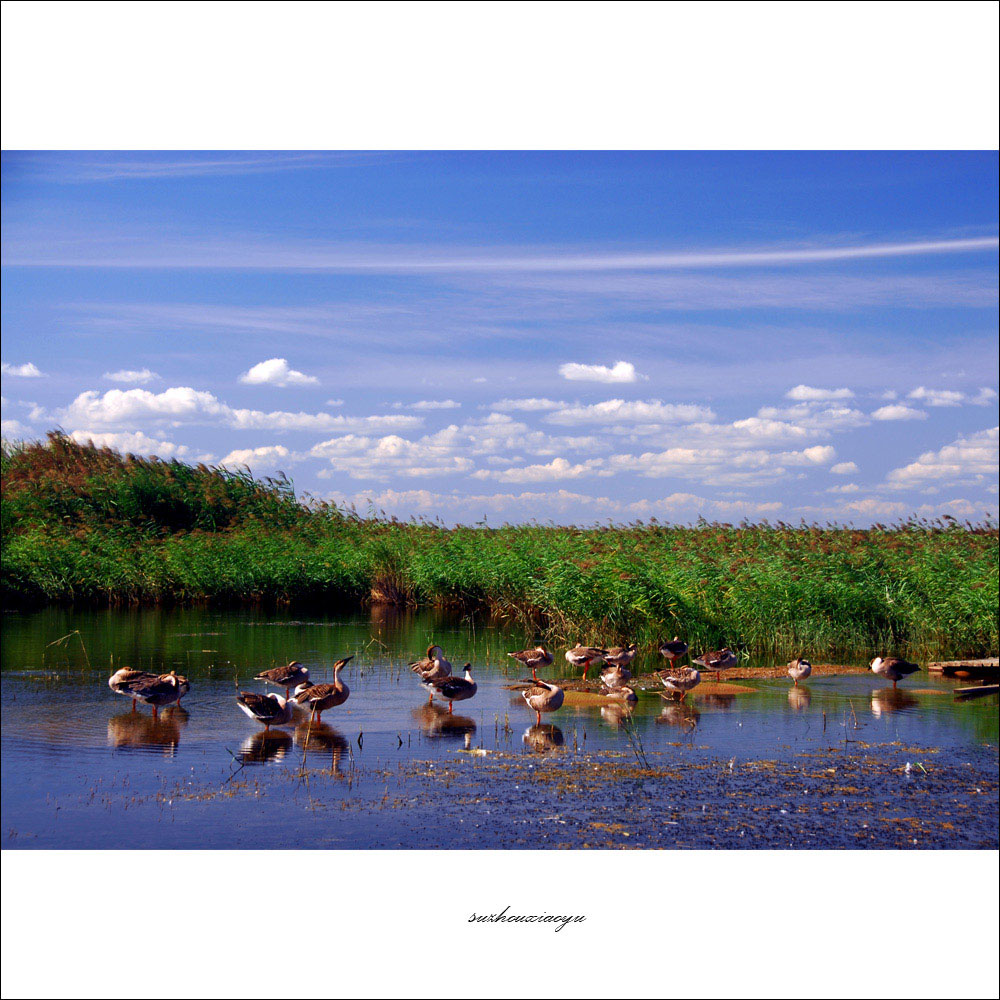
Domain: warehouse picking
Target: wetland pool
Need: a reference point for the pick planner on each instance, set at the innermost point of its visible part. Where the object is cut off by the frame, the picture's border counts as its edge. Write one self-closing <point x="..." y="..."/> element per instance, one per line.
<point x="841" y="761"/>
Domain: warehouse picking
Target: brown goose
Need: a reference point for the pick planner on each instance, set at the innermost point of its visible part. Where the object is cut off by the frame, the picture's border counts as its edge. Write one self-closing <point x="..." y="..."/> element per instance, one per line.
<point x="452" y="689"/>
<point x="269" y="709"/>
<point x="433" y="667"/>
<point x="673" y="650"/>
<point x="285" y="677"/>
<point x="533" y="658"/>
<point x="320" y="697"/>
<point x="717" y="661"/>
<point x="893" y="668"/>
<point x="799" y="669"/>
<point x="584" y="656"/>
<point x="160" y="690"/>
<point x="621" y="656"/>
<point x="123" y="680"/>
<point x="621" y="693"/>
<point x="615" y="677"/>
<point x="684" y="680"/>
<point x="543" y="697"/>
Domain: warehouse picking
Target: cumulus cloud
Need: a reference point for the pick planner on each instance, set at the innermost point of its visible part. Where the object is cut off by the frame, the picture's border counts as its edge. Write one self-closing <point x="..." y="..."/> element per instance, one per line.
<point x="131" y="376"/>
<point x="531" y="405"/>
<point x="558" y="468"/>
<point x="937" y="397"/>
<point x="984" y="397"/>
<point x="898" y="411"/>
<point x="843" y="468"/>
<point x="378" y="458"/>
<point x="266" y="456"/>
<point x="844" y="488"/>
<point x="117" y="409"/>
<point x="620" y="371"/>
<point x="131" y="443"/>
<point x="27" y="370"/>
<point x="276" y="371"/>
<point x="612" y="411"/>
<point x="810" y="394"/>
<point x="967" y="460"/>
<point x="428" y="404"/>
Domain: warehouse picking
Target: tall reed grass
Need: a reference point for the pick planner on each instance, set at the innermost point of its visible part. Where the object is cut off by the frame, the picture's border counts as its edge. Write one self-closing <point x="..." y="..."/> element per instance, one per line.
<point x="82" y="523"/>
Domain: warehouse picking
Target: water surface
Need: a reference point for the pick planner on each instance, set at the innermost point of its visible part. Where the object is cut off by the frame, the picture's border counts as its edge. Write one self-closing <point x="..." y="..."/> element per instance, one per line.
<point x="839" y="761"/>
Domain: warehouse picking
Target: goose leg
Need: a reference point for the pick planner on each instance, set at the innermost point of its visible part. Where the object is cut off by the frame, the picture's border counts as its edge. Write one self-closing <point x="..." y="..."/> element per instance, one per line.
<point x="154" y="712"/>
<point x="133" y="704"/>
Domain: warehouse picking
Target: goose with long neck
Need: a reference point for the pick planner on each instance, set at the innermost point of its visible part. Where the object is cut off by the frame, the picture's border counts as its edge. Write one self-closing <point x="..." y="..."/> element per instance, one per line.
<point x="320" y="697"/>
<point x="537" y="656"/>
<point x="543" y="697"/>
<point x="452" y="689"/>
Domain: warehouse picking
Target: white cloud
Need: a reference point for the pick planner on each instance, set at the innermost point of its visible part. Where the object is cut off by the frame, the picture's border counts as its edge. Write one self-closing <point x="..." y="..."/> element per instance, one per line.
<point x="118" y="409"/>
<point x="139" y="376"/>
<point x="898" y="411"/>
<point x="809" y="394"/>
<point x="27" y="370"/>
<point x="15" y="430"/>
<point x="377" y="458"/>
<point x="531" y="405"/>
<point x="984" y="397"/>
<point x="428" y="404"/>
<point x="276" y="371"/>
<point x="620" y="371"/>
<point x="967" y="460"/>
<point x="937" y="397"/>
<point x="265" y="456"/>
<point x="612" y="411"/>
<point x="844" y="488"/>
<point x="558" y="468"/>
<point x="843" y="468"/>
<point x="135" y="443"/>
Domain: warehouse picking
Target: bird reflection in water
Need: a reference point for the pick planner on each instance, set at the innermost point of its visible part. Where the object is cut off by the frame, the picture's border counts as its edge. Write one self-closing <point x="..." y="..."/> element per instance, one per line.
<point x="886" y="700"/>
<point x="437" y="722"/>
<point x="265" y="746"/>
<point x="723" y="701"/>
<point x="617" y="715"/>
<point x="678" y="713"/>
<point x="543" y="737"/>
<point x="132" y="730"/>
<point x="799" y="698"/>
<point x="317" y="739"/>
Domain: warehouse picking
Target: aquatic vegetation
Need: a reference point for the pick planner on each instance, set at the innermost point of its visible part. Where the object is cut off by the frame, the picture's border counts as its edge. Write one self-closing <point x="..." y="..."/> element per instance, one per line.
<point x="87" y="524"/>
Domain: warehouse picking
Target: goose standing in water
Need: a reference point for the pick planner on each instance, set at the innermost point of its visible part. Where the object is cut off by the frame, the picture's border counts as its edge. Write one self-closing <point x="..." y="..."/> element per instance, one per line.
<point x="269" y="709"/>
<point x="799" y="670"/>
<point x="622" y="694"/>
<point x="432" y="668"/>
<point x="614" y="677"/>
<point x="320" y="697"/>
<point x="285" y="677"/>
<point x="122" y="681"/>
<point x="584" y="656"/>
<point x="893" y="668"/>
<point x="717" y="661"/>
<point x="620" y="656"/>
<point x="452" y="689"/>
<point x="533" y="658"/>
<point x="543" y="697"/>
<point x="686" y="679"/>
<point x="159" y="690"/>
<point x="673" y="650"/>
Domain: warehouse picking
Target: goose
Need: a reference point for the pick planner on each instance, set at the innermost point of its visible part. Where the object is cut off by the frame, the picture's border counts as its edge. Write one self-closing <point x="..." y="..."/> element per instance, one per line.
<point x="452" y="689"/>
<point x="270" y="709"/>
<point x="320" y="697"/>
<point x="717" y="661"/>
<point x="584" y="656"/>
<point x="685" y="680"/>
<point x="799" y="669"/>
<point x="433" y="667"/>
<point x="285" y="677"/>
<point x="543" y="697"/>
<point x="622" y="693"/>
<point x="533" y="658"/>
<point x="122" y="681"/>
<point x="159" y="690"/>
<point x="893" y="668"/>
<point x="673" y="650"/>
<point x="615" y="677"/>
<point x="621" y="656"/>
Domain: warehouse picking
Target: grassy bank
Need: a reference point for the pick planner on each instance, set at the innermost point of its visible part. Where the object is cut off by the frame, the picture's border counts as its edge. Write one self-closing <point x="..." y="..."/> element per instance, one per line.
<point x="86" y="524"/>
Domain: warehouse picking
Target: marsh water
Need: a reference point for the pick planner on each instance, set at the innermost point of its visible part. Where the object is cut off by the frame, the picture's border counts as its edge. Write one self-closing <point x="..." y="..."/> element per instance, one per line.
<point x="840" y="761"/>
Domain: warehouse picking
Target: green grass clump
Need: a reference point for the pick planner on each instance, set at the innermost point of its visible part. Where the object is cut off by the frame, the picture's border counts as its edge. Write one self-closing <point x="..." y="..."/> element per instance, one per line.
<point x="85" y="523"/>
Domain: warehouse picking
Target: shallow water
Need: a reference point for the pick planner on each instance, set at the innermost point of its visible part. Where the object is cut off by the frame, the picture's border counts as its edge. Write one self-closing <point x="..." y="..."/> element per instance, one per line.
<point x="840" y="761"/>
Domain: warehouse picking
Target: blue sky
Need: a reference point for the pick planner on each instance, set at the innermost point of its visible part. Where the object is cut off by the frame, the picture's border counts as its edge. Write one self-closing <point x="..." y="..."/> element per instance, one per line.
<point x="566" y="336"/>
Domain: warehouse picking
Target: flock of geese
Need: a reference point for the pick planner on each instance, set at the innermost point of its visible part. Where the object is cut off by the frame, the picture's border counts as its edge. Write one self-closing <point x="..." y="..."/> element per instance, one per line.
<point x="435" y="676"/>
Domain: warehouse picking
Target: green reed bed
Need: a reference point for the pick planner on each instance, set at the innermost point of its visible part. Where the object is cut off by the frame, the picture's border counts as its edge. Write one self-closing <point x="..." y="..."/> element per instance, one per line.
<point x="86" y="524"/>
